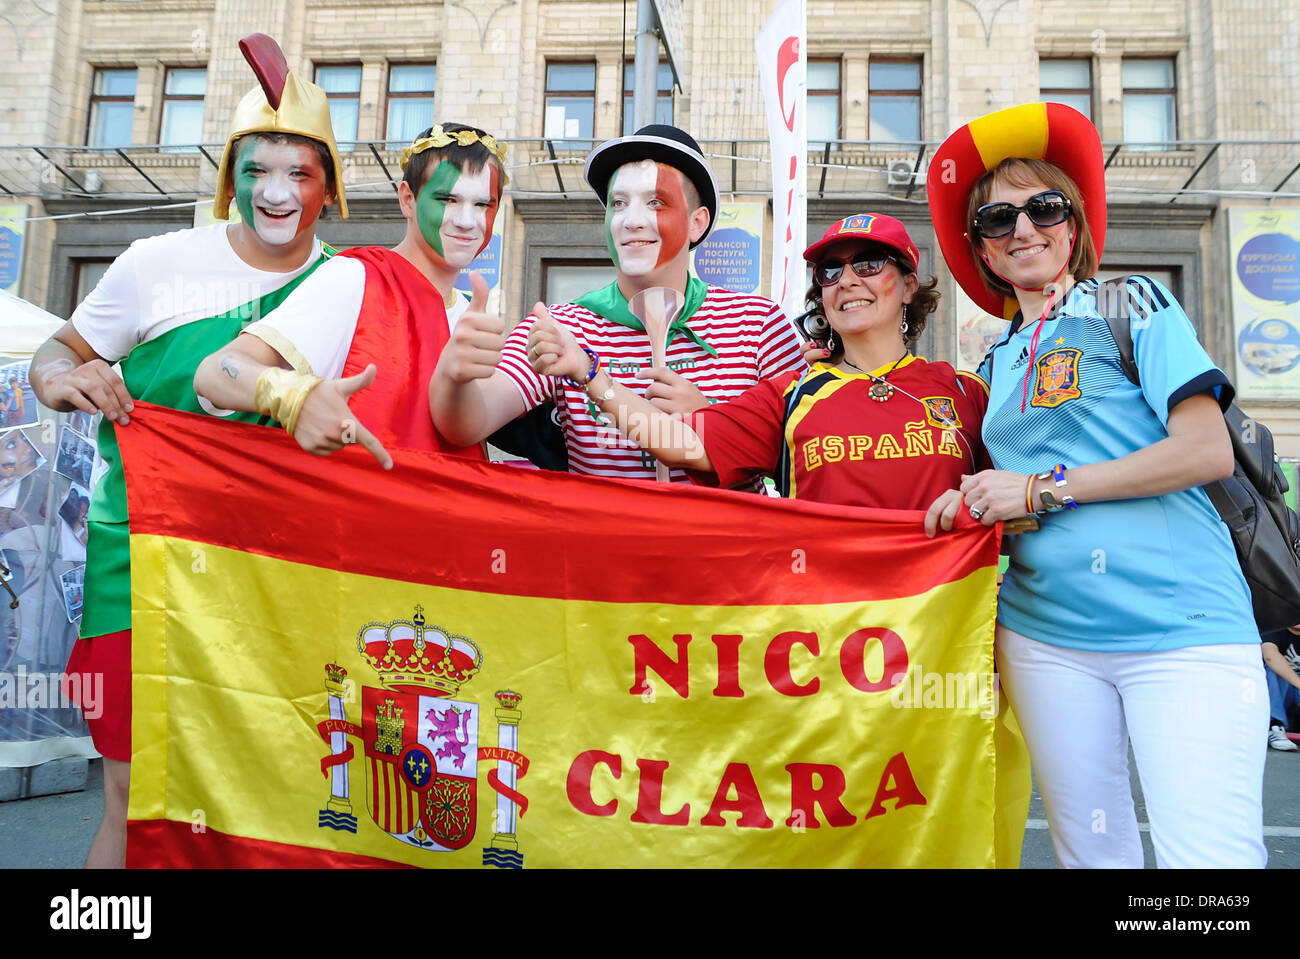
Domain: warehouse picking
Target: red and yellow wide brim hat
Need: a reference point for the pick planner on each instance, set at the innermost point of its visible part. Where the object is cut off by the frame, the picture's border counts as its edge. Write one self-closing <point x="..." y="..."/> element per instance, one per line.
<point x="1041" y="131"/>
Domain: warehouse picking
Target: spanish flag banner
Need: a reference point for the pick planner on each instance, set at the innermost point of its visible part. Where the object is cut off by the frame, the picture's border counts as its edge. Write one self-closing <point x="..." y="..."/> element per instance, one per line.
<point x="463" y="664"/>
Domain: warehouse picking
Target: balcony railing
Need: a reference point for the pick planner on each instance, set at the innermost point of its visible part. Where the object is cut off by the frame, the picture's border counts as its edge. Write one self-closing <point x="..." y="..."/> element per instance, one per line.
<point x="1157" y="172"/>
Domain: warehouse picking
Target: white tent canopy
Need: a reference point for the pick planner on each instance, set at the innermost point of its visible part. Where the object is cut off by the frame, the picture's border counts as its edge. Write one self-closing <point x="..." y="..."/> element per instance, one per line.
<point x="23" y="327"/>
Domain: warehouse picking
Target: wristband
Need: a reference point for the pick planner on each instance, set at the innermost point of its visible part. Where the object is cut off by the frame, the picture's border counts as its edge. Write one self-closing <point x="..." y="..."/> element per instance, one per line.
<point x="595" y="368"/>
<point x="1050" y="503"/>
<point x="280" y="394"/>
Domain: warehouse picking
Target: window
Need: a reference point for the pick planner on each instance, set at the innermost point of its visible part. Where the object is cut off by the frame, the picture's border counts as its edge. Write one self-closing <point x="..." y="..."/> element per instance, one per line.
<point x="1149" y="103"/>
<point x="342" y="86"/>
<point x="410" y="101"/>
<point x="570" y="101"/>
<point x="823" y="102"/>
<point x="894" y="100"/>
<point x="663" y="103"/>
<point x="88" y="275"/>
<point x="1068" y="82"/>
<point x="563" y="281"/>
<point x="112" y="108"/>
<point x="182" y="108"/>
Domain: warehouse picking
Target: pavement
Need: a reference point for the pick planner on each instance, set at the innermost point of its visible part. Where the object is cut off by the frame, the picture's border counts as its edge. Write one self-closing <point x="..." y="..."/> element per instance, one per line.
<point x="54" y="832"/>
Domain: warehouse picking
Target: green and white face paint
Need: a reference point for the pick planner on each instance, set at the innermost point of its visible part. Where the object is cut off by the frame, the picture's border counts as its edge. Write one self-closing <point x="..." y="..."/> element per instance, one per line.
<point x="647" y="223"/>
<point x="455" y="211"/>
<point x="279" y="189"/>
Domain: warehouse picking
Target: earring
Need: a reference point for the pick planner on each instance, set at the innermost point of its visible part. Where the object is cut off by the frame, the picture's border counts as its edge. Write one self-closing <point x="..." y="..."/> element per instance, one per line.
<point x="902" y="327"/>
<point x="830" y="342"/>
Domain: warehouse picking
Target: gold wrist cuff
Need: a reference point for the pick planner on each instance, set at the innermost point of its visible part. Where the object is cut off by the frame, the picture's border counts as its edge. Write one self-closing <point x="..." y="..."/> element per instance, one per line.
<point x="280" y="394"/>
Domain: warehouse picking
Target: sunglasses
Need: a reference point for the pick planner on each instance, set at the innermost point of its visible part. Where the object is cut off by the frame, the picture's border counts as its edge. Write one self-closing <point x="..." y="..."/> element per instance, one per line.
<point x="828" y="274"/>
<point x="1048" y="208"/>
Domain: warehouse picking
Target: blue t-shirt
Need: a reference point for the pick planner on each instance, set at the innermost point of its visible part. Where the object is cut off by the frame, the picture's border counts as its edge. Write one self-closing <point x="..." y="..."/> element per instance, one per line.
<point x="1129" y="575"/>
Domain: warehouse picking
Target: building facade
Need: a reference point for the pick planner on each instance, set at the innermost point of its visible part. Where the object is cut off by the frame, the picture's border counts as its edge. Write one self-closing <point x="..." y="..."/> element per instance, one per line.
<point x="114" y="112"/>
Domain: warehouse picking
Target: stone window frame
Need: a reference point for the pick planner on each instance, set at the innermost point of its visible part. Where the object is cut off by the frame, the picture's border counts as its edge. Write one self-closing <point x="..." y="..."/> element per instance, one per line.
<point x="661" y="94"/>
<point x="97" y="98"/>
<point x="918" y="93"/>
<point x="1091" y="90"/>
<point x="389" y="95"/>
<point x="548" y="94"/>
<point x="828" y="93"/>
<point x="359" y="66"/>
<point x="164" y="98"/>
<point x="1172" y="91"/>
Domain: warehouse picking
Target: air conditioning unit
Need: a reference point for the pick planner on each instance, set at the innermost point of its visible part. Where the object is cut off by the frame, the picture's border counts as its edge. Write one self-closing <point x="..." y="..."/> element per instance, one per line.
<point x="900" y="174"/>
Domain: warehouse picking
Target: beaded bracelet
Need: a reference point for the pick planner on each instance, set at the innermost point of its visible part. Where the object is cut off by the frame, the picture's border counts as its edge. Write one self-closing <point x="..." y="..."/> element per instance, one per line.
<point x="595" y="368"/>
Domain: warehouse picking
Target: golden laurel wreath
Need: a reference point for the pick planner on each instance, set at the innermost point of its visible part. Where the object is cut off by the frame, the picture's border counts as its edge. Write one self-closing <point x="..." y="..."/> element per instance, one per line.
<point x="438" y="137"/>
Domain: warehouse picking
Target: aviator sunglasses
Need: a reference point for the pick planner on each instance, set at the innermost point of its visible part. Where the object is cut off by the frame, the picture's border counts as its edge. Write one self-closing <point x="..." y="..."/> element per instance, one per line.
<point x="1048" y="208"/>
<point x="828" y="274"/>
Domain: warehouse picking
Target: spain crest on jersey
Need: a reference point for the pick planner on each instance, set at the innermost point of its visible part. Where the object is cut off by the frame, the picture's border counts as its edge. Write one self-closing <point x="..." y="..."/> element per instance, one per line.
<point x="941" y="412"/>
<point x="420" y="738"/>
<point x="1058" y="378"/>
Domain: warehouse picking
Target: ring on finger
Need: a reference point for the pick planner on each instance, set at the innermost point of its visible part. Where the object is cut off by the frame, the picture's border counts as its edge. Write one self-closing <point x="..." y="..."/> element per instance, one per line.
<point x="976" y="512"/>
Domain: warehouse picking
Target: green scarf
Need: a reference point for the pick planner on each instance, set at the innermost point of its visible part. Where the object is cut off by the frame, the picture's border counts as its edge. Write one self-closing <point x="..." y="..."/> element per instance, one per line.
<point x="609" y="303"/>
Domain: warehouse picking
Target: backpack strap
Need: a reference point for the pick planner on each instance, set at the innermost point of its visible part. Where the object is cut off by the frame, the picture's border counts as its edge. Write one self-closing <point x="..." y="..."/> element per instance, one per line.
<point x="807" y="386"/>
<point x="1112" y="304"/>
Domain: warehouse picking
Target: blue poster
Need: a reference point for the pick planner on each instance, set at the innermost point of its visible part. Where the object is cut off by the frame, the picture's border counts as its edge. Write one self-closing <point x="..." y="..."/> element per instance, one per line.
<point x="487" y="263"/>
<point x="11" y="258"/>
<point x="732" y="255"/>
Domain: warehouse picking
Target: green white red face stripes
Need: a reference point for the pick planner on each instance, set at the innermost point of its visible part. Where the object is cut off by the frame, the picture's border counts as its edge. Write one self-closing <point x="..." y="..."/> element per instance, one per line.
<point x="279" y="189"/>
<point x="455" y="212"/>
<point x="646" y="217"/>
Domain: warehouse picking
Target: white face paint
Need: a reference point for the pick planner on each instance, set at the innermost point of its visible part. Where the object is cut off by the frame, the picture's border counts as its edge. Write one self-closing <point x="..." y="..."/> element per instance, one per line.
<point x="631" y="218"/>
<point x="279" y="188"/>
<point x="466" y="220"/>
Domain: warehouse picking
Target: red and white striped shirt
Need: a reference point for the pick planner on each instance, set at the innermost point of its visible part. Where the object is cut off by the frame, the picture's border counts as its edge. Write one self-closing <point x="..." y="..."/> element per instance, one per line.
<point x="753" y="339"/>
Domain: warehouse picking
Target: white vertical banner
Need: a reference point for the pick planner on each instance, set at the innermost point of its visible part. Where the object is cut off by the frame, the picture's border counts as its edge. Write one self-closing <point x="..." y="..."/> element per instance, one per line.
<point x="782" y="67"/>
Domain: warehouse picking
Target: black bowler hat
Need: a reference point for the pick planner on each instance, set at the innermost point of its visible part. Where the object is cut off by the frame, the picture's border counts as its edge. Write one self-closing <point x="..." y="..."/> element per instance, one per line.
<point x="663" y="144"/>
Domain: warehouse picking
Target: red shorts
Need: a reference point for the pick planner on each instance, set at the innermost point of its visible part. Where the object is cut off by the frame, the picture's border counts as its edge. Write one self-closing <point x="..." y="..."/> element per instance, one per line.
<point x="102" y="666"/>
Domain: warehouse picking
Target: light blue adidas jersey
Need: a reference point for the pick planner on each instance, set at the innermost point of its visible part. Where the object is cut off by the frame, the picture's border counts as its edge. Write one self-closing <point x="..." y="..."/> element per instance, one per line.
<point x="1124" y="575"/>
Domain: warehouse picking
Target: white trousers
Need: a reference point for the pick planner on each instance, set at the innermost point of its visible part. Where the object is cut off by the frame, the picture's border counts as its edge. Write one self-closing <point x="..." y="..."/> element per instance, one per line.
<point x="1197" y="719"/>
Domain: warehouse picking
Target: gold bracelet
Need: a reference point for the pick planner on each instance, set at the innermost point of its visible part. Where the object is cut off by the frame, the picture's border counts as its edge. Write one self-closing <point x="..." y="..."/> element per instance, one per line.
<point x="280" y="394"/>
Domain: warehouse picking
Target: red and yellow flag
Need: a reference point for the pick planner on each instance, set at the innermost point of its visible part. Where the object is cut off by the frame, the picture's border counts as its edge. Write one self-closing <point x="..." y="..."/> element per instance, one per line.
<point x="462" y="664"/>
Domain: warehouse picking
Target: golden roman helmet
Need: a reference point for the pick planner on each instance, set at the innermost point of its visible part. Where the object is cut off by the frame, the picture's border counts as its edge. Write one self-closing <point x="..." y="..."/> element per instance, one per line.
<point x="282" y="103"/>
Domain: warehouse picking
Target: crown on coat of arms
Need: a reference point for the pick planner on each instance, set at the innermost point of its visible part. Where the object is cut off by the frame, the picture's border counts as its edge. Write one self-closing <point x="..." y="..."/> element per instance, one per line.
<point x="508" y="698"/>
<point x="408" y="656"/>
<point x="335" y="673"/>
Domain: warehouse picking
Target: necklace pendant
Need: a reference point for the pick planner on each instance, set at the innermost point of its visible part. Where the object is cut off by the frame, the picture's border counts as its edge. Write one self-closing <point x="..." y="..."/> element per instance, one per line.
<point x="881" y="391"/>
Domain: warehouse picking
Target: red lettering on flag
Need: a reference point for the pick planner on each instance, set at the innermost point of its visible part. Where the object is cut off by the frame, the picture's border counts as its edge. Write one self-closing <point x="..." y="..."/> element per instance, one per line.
<point x="748" y="802"/>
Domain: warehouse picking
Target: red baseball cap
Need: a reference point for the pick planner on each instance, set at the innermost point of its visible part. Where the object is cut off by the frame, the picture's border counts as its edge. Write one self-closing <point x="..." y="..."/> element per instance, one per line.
<point x="875" y="227"/>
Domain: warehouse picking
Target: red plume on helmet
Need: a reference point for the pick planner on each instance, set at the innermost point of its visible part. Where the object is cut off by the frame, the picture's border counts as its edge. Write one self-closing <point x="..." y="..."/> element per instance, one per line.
<point x="269" y="65"/>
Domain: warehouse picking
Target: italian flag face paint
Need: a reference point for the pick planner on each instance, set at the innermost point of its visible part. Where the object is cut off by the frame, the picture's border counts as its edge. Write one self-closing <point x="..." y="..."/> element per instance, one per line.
<point x="279" y="189"/>
<point x="455" y="212"/>
<point x="646" y="217"/>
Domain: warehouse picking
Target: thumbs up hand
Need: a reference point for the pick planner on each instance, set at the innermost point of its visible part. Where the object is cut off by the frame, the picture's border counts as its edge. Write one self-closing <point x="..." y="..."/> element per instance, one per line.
<point x="553" y="350"/>
<point x="474" y="349"/>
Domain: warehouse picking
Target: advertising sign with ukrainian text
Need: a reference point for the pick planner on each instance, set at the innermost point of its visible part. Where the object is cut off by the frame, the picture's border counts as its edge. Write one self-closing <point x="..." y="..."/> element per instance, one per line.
<point x="1264" y="247"/>
<point x="732" y="255"/>
<point x="13" y="233"/>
